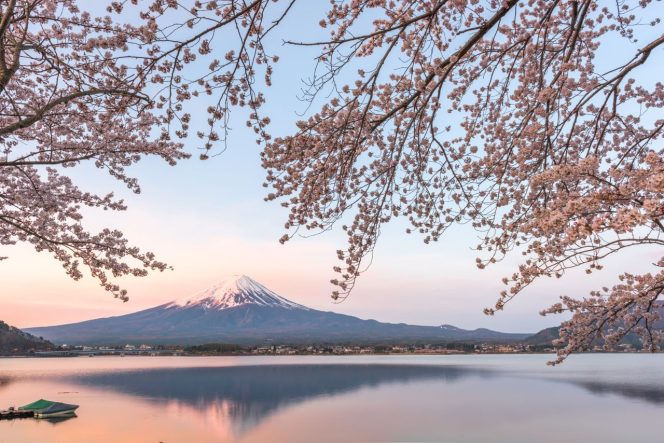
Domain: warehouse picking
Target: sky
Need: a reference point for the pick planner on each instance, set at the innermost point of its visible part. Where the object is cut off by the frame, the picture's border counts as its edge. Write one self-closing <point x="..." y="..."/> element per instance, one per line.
<point x="208" y="220"/>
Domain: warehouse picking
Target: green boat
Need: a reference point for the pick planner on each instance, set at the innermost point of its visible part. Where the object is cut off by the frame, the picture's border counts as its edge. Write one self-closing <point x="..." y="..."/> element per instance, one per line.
<point x="46" y="408"/>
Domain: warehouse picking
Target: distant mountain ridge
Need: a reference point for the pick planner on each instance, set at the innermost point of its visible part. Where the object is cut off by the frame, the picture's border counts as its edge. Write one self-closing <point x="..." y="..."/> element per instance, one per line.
<point x="546" y="336"/>
<point x="15" y="341"/>
<point x="242" y="311"/>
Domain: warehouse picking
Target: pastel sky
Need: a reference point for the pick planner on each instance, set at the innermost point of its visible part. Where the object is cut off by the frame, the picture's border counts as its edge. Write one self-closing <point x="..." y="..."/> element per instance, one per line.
<point x="208" y="220"/>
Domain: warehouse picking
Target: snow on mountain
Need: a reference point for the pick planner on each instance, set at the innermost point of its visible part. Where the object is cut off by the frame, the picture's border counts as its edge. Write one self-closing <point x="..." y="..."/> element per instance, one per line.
<point x="236" y="290"/>
<point x="240" y="310"/>
<point x="450" y="328"/>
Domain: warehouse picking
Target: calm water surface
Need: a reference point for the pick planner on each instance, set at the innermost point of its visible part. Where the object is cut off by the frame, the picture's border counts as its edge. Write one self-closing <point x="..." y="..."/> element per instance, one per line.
<point x="501" y="398"/>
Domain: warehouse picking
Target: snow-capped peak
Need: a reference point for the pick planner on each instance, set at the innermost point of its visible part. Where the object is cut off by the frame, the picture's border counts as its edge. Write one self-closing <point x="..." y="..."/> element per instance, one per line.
<point x="237" y="290"/>
<point x="449" y="328"/>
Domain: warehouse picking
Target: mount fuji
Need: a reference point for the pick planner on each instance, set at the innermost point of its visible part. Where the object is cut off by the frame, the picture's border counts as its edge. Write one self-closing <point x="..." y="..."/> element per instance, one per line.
<point x="240" y="310"/>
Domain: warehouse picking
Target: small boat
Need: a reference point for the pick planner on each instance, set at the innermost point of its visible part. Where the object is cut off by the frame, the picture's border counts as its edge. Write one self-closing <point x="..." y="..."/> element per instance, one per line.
<point x="46" y="408"/>
<point x="57" y="410"/>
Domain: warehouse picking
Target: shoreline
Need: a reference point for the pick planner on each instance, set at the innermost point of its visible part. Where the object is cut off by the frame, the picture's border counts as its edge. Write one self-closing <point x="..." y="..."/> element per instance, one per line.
<point x="410" y="354"/>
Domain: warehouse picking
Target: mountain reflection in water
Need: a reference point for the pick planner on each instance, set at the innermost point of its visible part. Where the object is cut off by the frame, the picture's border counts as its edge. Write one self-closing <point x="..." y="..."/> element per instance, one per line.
<point x="650" y="394"/>
<point x="248" y="394"/>
<point x="300" y="399"/>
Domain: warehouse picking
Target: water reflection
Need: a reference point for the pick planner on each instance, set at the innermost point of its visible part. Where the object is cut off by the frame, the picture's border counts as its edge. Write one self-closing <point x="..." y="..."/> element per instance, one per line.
<point x="255" y="391"/>
<point x="345" y="399"/>
<point x="58" y="420"/>
<point x="245" y="395"/>
<point x="650" y="394"/>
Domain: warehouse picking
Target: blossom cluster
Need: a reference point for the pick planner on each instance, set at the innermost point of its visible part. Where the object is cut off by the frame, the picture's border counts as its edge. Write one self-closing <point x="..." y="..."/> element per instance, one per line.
<point x="493" y="113"/>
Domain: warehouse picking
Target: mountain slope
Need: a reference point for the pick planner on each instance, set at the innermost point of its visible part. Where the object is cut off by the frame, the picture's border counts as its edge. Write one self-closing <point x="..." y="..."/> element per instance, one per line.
<point x="15" y="341"/>
<point x="242" y="311"/>
<point x="546" y="336"/>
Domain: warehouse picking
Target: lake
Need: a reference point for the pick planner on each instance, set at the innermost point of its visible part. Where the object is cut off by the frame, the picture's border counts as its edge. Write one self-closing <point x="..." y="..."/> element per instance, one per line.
<point x="465" y="398"/>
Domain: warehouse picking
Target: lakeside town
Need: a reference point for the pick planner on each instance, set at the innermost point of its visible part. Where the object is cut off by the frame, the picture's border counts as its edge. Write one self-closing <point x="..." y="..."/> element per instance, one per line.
<point x="322" y="349"/>
<point x="228" y="349"/>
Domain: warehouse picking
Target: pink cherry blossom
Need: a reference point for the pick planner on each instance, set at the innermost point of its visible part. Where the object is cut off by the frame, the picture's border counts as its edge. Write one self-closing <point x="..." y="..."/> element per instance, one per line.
<point x="493" y="113"/>
<point x="516" y="117"/>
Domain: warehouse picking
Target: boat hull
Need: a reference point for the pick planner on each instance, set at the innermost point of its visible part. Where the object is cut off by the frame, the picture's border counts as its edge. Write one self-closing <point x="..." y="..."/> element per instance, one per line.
<point x="56" y="414"/>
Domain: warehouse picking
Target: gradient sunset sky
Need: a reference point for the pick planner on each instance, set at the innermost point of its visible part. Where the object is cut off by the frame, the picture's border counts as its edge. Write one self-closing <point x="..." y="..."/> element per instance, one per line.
<point x="208" y="220"/>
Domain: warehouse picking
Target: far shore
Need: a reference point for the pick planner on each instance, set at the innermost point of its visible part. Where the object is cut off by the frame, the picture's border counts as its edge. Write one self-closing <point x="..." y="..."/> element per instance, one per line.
<point x="32" y="356"/>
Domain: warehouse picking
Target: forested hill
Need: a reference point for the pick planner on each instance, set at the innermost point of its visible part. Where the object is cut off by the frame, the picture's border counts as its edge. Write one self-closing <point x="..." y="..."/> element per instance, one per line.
<point x="546" y="336"/>
<point x="15" y="341"/>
